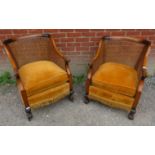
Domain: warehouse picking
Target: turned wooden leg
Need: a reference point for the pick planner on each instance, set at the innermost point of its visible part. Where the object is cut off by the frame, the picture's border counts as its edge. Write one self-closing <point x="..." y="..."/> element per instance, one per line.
<point x="71" y="96"/>
<point x="86" y="99"/>
<point x="132" y="114"/>
<point x="137" y="97"/>
<point x="28" y="113"/>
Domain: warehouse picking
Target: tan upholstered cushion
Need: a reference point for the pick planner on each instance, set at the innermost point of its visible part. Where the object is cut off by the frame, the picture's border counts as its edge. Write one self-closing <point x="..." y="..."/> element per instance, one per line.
<point x="111" y="99"/>
<point x="41" y="75"/>
<point x="49" y="96"/>
<point x="117" y="78"/>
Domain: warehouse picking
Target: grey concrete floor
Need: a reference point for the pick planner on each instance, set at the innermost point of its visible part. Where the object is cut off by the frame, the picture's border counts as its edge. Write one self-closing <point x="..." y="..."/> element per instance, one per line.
<point x="66" y="113"/>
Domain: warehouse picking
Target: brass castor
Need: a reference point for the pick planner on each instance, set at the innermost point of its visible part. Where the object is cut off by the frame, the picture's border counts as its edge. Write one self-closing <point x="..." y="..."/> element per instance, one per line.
<point x="71" y="96"/>
<point x="28" y="113"/>
<point x="131" y="114"/>
<point x="86" y="99"/>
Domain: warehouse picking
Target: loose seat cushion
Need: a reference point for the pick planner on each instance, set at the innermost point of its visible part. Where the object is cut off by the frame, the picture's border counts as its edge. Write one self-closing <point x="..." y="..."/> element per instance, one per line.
<point x="41" y="75"/>
<point x="111" y="99"/>
<point x="117" y="78"/>
<point x="49" y="96"/>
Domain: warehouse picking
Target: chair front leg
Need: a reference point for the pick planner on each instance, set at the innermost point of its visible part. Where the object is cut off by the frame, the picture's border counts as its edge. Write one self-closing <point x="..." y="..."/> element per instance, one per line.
<point x="24" y="99"/>
<point x="88" y="82"/>
<point x="86" y="98"/>
<point x="27" y="106"/>
<point x="71" y="95"/>
<point x="137" y="97"/>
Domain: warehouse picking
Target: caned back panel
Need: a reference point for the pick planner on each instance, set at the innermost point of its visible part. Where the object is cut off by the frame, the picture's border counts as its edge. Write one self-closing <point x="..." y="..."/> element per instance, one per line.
<point x="122" y="51"/>
<point x="27" y="50"/>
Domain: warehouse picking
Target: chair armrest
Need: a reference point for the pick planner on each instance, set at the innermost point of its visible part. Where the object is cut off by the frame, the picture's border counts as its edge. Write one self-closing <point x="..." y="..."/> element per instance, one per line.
<point x="140" y="86"/>
<point x="142" y="64"/>
<point x="20" y="85"/>
<point x="144" y="67"/>
<point x="23" y="93"/>
<point x="61" y="56"/>
<point x="94" y="65"/>
<point x="62" y="61"/>
<point x="69" y="74"/>
<point x="67" y="66"/>
<point x="58" y="57"/>
<point x="89" y="78"/>
<point x="98" y="59"/>
<point x="144" y="72"/>
<point x="16" y="74"/>
<point x="5" y="50"/>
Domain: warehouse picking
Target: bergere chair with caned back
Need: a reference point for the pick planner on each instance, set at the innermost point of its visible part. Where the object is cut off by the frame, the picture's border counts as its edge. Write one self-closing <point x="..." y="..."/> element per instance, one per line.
<point x="117" y="72"/>
<point x="42" y="72"/>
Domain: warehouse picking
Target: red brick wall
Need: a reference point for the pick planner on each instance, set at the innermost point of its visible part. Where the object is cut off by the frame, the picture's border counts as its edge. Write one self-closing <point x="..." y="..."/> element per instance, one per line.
<point x="80" y="40"/>
<point x="80" y="44"/>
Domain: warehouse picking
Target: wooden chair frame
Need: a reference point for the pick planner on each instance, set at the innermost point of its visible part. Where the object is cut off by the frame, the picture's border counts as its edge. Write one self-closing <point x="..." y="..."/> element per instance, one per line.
<point x="16" y="67"/>
<point x="140" y="67"/>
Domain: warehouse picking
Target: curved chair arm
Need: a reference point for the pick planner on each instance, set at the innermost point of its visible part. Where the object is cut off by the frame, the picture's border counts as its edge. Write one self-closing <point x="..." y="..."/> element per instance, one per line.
<point x="144" y="68"/>
<point x="59" y="58"/>
<point x="63" y="62"/>
<point x="144" y="72"/>
<point x="141" y="66"/>
<point x="59" y="53"/>
<point x="19" y="82"/>
<point x="89" y="78"/>
<point x="15" y="69"/>
<point x="98" y="58"/>
<point x="94" y="65"/>
<point x="138" y="93"/>
<point x="69" y="75"/>
<point x="22" y="91"/>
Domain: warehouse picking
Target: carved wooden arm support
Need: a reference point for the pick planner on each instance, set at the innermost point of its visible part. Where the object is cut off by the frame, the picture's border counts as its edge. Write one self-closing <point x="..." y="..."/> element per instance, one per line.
<point x="69" y="74"/>
<point x="23" y="93"/>
<point x="94" y="65"/>
<point x="144" y="72"/>
<point x="89" y="78"/>
<point x="5" y="50"/>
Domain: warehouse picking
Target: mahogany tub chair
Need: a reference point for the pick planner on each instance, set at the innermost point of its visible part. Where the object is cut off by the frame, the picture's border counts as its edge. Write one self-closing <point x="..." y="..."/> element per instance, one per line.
<point x="42" y="72"/>
<point x="117" y="72"/>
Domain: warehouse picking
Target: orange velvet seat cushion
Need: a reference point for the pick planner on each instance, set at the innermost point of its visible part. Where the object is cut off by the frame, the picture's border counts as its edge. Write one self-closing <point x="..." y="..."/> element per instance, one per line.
<point x="49" y="96"/>
<point x="111" y="99"/>
<point x="41" y="75"/>
<point x="117" y="78"/>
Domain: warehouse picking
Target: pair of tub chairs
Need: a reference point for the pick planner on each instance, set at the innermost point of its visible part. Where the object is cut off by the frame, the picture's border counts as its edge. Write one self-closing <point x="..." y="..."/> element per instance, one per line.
<point x="115" y="77"/>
